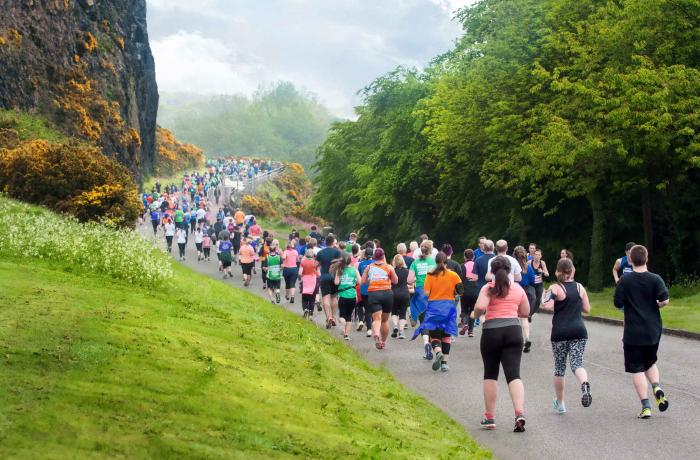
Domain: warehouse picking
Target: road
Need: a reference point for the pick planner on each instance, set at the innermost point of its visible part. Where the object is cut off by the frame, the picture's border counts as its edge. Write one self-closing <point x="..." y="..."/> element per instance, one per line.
<point x="608" y="429"/>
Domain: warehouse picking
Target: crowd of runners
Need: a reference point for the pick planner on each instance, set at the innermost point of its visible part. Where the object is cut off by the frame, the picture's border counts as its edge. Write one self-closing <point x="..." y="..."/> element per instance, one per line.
<point x="382" y="292"/>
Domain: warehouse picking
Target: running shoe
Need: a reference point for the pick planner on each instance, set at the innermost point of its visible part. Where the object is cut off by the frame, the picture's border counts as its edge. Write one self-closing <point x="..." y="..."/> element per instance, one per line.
<point x="395" y="333"/>
<point x="405" y="326"/>
<point x="661" y="400"/>
<point x="586" y="398"/>
<point x="286" y="296"/>
<point x="272" y="301"/>
<point x="444" y="367"/>
<point x="291" y="300"/>
<point x="488" y="424"/>
<point x="477" y="322"/>
<point x="377" y="341"/>
<point x="306" y="314"/>
<point x="463" y="329"/>
<point x="438" y="361"/>
<point x="264" y="286"/>
<point x="526" y="347"/>
<point x="277" y="298"/>
<point x="360" y="326"/>
<point x="519" y="424"/>
<point x="428" y="352"/>
<point x="369" y="332"/>
<point x="328" y="323"/>
<point x="346" y="337"/>
<point x="332" y="320"/>
<point x="558" y="407"/>
<point x="645" y="413"/>
<point x="318" y="306"/>
<point x="402" y="335"/>
<point x="470" y="334"/>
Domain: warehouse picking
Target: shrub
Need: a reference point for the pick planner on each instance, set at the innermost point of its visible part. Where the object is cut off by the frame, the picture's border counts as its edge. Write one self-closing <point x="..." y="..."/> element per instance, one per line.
<point x="33" y="233"/>
<point x="173" y="156"/>
<point x="258" y="206"/>
<point x="72" y="178"/>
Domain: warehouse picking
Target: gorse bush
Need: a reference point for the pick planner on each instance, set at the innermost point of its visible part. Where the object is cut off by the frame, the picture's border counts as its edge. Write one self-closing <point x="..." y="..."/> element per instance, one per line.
<point x="173" y="156"/>
<point x="72" y="178"/>
<point x="30" y="232"/>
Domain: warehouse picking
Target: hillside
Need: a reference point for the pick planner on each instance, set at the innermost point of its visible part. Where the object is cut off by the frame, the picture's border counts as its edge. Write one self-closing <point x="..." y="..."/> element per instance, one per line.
<point x="279" y="122"/>
<point x="87" y="67"/>
<point x="176" y="365"/>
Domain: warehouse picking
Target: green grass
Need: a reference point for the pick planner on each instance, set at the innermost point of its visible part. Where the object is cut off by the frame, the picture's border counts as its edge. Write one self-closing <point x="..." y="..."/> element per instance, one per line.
<point x="278" y="228"/>
<point x="683" y="312"/>
<point x="150" y="182"/>
<point x="92" y="367"/>
<point x="30" y="126"/>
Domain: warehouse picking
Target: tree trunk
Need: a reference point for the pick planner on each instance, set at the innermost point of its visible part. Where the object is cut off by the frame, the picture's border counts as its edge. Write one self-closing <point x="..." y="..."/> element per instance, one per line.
<point x="596" y="268"/>
<point x="647" y="222"/>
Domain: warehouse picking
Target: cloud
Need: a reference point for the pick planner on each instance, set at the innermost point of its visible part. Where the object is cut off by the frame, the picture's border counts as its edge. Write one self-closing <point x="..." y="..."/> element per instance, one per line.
<point x="330" y="47"/>
<point x="187" y="61"/>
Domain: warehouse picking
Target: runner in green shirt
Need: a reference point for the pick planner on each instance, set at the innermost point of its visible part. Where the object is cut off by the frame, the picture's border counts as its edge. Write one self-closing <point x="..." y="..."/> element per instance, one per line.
<point x="347" y="278"/>
<point x="274" y="272"/>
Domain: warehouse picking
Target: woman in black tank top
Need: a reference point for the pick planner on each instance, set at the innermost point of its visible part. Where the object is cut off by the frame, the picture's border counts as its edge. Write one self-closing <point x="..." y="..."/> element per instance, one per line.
<point x="568" y="301"/>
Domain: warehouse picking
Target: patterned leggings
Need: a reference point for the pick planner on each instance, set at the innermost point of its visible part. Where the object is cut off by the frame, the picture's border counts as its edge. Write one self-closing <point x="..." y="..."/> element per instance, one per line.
<point x="574" y="349"/>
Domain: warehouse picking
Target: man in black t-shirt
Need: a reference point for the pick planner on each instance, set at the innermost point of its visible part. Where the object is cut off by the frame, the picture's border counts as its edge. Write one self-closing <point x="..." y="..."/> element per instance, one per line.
<point x="329" y="290"/>
<point x="641" y="294"/>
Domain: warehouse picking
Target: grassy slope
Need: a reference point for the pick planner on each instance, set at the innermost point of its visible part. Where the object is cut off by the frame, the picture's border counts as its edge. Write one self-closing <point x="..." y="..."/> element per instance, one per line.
<point x="93" y="368"/>
<point x="30" y="126"/>
<point x="682" y="313"/>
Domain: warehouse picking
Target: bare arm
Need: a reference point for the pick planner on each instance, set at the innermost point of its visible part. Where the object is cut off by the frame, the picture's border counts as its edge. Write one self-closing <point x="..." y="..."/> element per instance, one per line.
<point x="337" y="278"/>
<point x="365" y="276"/>
<point x="411" y="277"/>
<point x="482" y="302"/>
<point x="524" y="307"/>
<point x="586" y="306"/>
<point x="544" y="268"/>
<point x="518" y="277"/>
<point x="615" y="268"/>
<point x="358" y="277"/>
<point x="394" y="277"/>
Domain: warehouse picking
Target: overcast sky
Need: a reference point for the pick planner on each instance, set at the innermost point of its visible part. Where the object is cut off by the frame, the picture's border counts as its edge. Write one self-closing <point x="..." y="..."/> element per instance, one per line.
<point x="330" y="47"/>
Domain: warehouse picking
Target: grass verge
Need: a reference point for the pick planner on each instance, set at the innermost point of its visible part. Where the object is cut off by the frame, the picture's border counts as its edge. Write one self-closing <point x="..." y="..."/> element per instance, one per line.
<point x="98" y="368"/>
<point x="683" y="312"/>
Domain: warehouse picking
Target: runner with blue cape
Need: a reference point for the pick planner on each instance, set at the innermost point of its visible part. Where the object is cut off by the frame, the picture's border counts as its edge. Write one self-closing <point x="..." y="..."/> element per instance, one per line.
<point x="419" y="303"/>
<point x="440" y="315"/>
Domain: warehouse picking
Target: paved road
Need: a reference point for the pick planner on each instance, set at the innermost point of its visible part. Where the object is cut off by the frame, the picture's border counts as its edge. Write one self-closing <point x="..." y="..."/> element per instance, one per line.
<point x="607" y="430"/>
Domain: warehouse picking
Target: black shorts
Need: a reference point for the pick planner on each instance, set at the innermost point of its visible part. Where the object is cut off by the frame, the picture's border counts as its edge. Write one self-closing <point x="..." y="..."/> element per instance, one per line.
<point x="346" y="307"/>
<point x="400" y="305"/>
<point x="328" y="287"/>
<point x="291" y="275"/>
<point x="226" y="263"/>
<point x="247" y="268"/>
<point x="502" y="346"/>
<point x="273" y="284"/>
<point x="380" y="301"/>
<point x="639" y="358"/>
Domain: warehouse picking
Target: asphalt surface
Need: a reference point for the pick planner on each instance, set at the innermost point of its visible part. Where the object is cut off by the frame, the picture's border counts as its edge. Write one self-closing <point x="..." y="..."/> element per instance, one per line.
<point x="608" y="429"/>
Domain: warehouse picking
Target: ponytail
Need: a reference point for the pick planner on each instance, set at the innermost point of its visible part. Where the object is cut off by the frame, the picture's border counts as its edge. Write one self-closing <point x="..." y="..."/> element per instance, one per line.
<point x="441" y="261"/>
<point x="500" y="267"/>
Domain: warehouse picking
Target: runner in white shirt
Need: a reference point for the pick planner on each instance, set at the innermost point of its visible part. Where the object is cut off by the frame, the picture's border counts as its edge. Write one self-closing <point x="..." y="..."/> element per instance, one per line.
<point x="515" y="268"/>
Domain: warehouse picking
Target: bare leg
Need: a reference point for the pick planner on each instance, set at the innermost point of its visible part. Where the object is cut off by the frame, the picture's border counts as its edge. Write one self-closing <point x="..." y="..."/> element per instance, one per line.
<point x="376" y="322"/>
<point x="517" y="395"/>
<point x="490" y="395"/>
<point x="559" y="388"/>
<point x="385" y="326"/>
<point x="327" y="306"/>
<point x="525" y="325"/>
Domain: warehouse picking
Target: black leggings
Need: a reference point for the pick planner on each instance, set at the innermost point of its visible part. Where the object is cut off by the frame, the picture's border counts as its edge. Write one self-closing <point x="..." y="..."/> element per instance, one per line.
<point x="502" y="345"/>
<point x="539" y="290"/>
<point x="467" y="302"/>
<point x="181" y="247"/>
<point x="307" y="302"/>
<point x="290" y="277"/>
<point x="263" y="264"/>
<point x="346" y="307"/>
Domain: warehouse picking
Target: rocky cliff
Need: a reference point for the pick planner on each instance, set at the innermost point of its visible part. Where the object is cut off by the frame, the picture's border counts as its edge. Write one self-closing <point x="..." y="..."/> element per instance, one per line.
<point x="87" y="66"/>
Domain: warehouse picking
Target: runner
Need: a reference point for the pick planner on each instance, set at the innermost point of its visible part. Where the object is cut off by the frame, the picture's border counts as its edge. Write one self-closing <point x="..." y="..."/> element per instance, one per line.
<point x="623" y="265"/>
<point x="471" y="293"/>
<point x="198" y="241"/>
<point x="442" y="285"/>
<point x="420" y="268"/>
<point x="515" y="268"/>
<point x="206" y="247"/>
<point x="642" y="294"/>
<point x="181" y="236"/>
<point x="541" y="273"/>
<point x="346" y="278"/>
<point x="403" y="252"/>
<point x="290" y="270"/>
<point x="155" y="220"/>
<point x="402" y="296"/>
<point x="236" y="236"/>
<point x="224" y="250"/>
<point x="363" y="313"/>
<point x="480" y="251"/>
<point x="247" y="259"/>
<point x="262" y="255"/>
<point x="527" y="281"/>
<point x="273" y="270"/>
<point x="309" y="283"/>
<point x="169" y="229"/>
<point x="566" y="254"/>
<point x="380" y="276"/>
<point x="329" y="290"/>
<point x="504" y="302"/>
<point x="568" y="301"/>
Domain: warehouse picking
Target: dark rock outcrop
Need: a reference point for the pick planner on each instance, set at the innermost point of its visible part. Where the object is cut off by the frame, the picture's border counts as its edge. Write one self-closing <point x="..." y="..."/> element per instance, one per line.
<point x="87" y="66"/>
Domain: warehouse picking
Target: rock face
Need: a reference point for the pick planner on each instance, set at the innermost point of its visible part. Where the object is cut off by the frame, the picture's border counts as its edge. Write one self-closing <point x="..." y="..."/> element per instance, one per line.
<point x="87" y="66"/>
